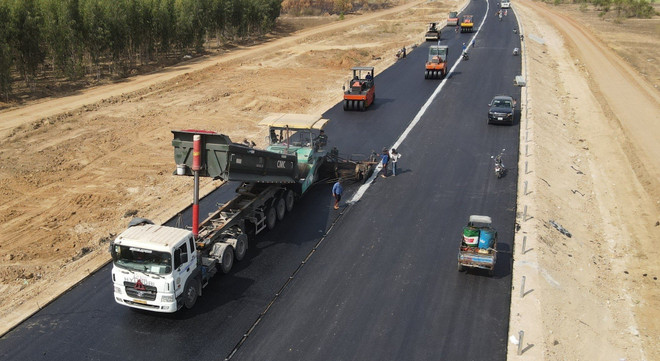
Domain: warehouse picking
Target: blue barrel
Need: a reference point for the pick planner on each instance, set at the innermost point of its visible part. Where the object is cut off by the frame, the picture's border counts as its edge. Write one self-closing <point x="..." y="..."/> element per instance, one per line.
<point x="486" y="238"/>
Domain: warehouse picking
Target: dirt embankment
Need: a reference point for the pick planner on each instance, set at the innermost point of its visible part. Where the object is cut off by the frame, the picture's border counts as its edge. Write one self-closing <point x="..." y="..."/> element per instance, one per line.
<point x="592" y="169"/>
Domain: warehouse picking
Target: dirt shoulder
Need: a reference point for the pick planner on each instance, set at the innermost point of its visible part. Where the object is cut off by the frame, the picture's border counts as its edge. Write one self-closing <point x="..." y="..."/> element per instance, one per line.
<point x="589" y="151"/>
<point x="75" y="170"/>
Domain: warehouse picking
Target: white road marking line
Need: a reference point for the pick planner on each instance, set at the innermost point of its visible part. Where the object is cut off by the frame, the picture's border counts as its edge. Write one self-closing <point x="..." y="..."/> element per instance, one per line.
<point x="363" y="188"/>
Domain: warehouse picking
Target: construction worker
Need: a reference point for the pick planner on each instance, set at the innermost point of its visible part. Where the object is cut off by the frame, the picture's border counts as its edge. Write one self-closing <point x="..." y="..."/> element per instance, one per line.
<point x="337" y="190"/>
<point x="321" y="140"/>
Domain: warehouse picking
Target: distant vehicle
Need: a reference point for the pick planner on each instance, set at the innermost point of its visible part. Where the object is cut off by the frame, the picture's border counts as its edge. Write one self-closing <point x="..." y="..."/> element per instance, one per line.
<point x="467" y="24"/>
<point x="361" y="91"/>
<point x="501" y="110"/>
<point x="505" y="4"/>
<point x="436" y="64"/>
<point x="500" y="169"/>
<point x="432" y="33"/>
<point x="452" y="19"/>
<point x="478" y="248"/>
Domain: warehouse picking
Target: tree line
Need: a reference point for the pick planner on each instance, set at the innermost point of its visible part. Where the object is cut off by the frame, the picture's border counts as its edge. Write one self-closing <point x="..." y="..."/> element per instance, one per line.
<point x="623" y="8"/>
<point x="319" y="7"/>
<point x="75" y="37"/>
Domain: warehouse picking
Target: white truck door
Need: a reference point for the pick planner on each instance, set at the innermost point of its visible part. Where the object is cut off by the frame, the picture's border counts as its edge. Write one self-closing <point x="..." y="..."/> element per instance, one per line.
<point x="183" y="262"/>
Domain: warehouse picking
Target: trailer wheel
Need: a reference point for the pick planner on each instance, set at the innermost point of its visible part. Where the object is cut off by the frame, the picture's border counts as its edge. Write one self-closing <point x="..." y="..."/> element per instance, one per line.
<point x="289" y="200"/>
<point x="271" y="217"/>
<point x="280" y="208"/>
<point x="227" y="260"/>
<point x="241" y="247"/>
<point x="191" y="293"/>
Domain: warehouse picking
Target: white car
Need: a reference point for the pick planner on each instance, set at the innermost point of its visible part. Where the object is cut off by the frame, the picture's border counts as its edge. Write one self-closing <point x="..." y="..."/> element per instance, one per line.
<point x="506" y="5"/>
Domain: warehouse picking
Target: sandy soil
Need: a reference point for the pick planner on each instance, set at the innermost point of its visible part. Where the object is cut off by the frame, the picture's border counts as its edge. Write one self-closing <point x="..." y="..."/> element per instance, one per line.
<point x="74" y="170"/>
<point x="590" y="150"/>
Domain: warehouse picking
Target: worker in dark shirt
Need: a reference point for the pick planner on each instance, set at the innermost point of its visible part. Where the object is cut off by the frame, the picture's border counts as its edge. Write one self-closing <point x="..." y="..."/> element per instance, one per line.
<point x="321" y="140"/>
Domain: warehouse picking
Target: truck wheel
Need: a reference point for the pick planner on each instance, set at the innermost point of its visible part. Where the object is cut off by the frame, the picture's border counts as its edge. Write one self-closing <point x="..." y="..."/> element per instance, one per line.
<point x="289" y="200"/>
<point x="460" y="268"/>
<point x="345" y="104"/>
<point x="280" y="208"/>
<point x="190" y="294"/>
<point x="363" y="105"/>
<point x="227" y="260"/>
<point x="241" y="247"/>
<point x="271" y="217"/>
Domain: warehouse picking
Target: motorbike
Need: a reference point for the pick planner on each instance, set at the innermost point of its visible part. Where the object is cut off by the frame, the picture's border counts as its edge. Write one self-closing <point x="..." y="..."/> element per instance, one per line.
<point x="500" y="170"/>
<point x="465" y="55"/>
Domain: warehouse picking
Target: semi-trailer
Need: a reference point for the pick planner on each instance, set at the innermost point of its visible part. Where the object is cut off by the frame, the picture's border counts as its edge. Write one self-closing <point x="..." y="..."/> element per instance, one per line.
<point x="162" y="268"/>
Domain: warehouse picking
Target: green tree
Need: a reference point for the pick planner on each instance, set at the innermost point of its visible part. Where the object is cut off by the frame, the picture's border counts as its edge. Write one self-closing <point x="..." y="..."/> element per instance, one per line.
<point x="191" y="23"/>
<point x="96" y="33"/>
<point x="163" y="24"/>
<point x="343" y="6"/>
<point x="27" y="39"/>
<point x="6" y="59"/>
<point x="62" y="30"/>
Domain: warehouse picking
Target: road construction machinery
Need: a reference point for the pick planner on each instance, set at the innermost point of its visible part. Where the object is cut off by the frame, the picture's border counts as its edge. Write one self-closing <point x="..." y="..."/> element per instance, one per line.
<point x="436" y="63"/>
<point x="162" y="268"/>
<point x="467" y="24"/>
<point x="452" y="19"/>
<point x="433" y="33"/>
<point x="361" y="90"/>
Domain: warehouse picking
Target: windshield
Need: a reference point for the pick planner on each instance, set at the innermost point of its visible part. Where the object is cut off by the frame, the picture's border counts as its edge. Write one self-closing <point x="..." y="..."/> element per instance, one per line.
<point x="439" y="52"/>
<point x="502" y="104"/>
<point x="294" y="138"/>
<point x="142" y="260"/>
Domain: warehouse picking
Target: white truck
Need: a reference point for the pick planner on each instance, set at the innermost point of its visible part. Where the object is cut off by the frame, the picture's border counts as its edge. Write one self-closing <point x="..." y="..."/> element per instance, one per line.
<point x="161" y="268"/>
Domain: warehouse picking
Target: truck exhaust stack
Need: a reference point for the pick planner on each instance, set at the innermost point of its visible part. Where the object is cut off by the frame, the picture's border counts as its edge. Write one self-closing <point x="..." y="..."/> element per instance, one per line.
<point x="197" y="161"/>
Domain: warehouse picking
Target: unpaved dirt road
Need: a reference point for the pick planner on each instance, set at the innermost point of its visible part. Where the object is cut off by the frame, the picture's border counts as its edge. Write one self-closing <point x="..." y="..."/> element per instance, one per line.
<point x="74" y="170"/>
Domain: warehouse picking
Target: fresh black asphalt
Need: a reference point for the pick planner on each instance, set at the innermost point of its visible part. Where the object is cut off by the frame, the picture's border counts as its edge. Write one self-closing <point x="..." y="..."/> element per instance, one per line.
<point x="382" y="284"/>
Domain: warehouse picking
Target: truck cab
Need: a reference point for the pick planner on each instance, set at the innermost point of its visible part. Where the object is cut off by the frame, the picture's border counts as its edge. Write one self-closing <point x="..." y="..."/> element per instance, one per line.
<point x="155" y="268"/>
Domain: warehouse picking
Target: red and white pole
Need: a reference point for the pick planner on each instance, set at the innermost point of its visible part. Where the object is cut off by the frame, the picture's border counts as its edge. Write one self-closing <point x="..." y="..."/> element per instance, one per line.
<point x="196" y="166"/>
